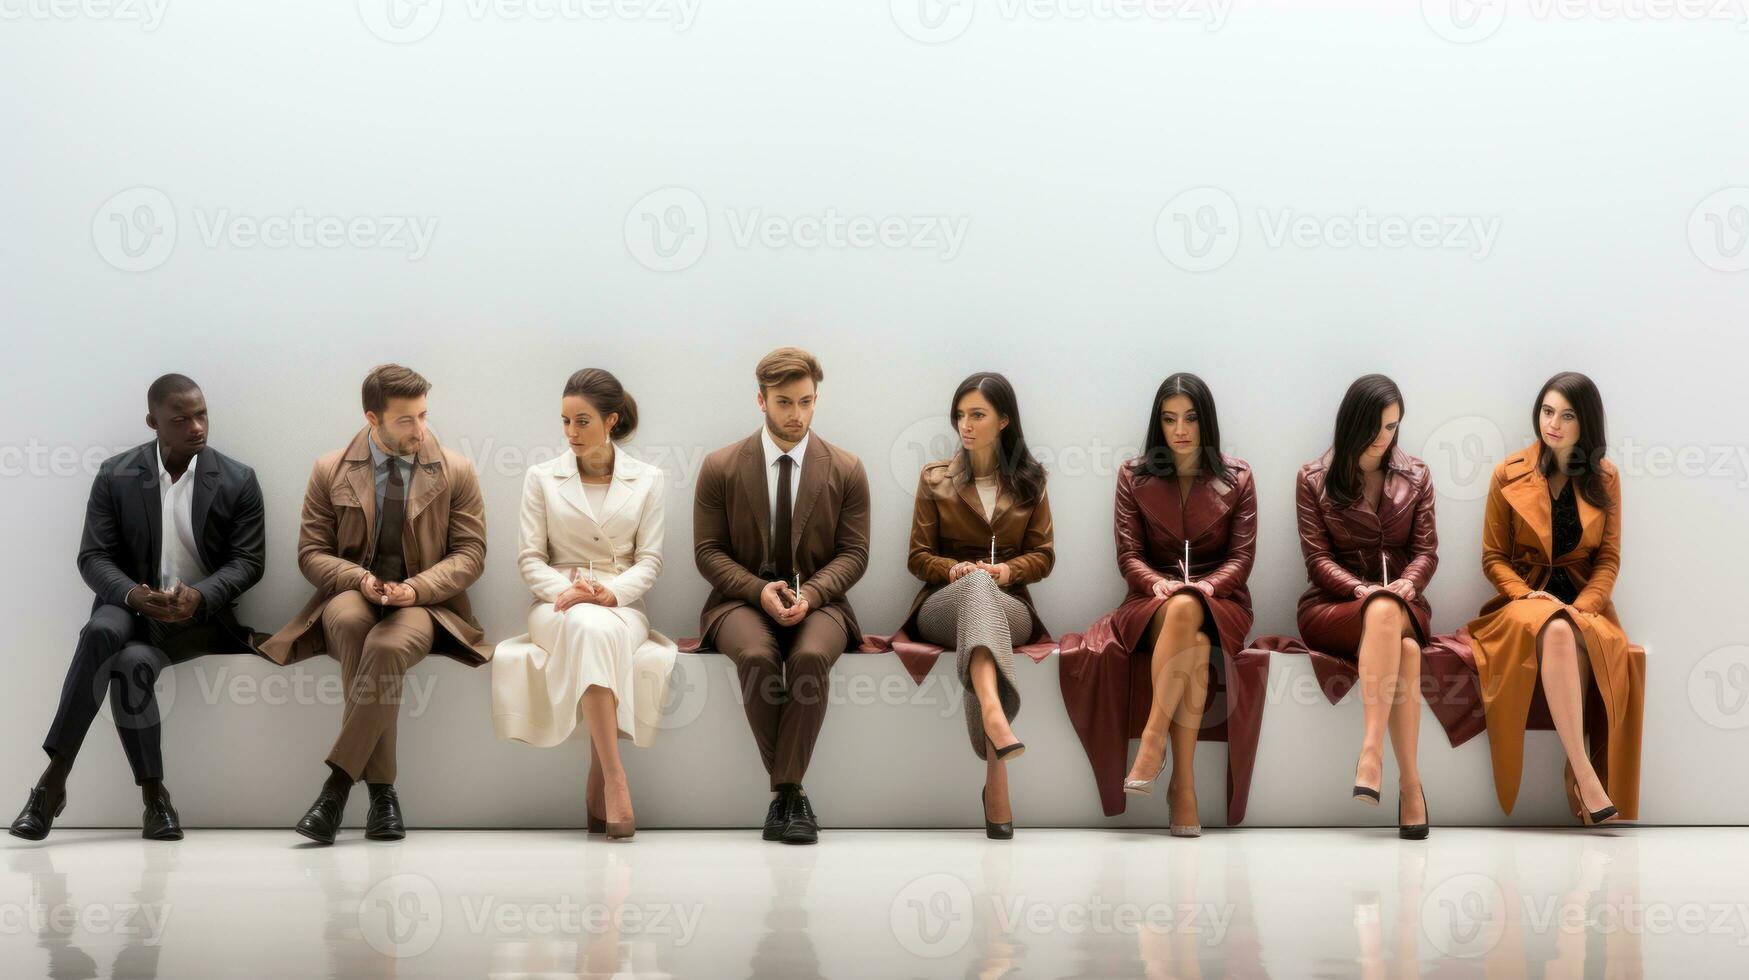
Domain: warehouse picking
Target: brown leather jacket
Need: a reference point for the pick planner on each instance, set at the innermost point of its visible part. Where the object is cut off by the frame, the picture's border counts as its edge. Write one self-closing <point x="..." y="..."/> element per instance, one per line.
<point x="1343" y="548"/>
<point x="948" y="526"/>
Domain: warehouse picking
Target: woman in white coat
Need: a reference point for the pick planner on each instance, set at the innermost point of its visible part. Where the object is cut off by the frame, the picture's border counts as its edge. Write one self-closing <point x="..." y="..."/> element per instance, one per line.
<point x="591" y="546"/>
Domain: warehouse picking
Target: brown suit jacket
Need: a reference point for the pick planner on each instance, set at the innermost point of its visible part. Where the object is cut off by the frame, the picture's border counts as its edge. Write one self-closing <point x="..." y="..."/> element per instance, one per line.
<point x="731" y="521"/>
<point x="444" y="542"/>
<point x="948" y="526"/>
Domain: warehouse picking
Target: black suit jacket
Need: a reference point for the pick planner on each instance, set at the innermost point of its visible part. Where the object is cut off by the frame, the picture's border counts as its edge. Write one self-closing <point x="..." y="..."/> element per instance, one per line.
<point x="123" y="534"/>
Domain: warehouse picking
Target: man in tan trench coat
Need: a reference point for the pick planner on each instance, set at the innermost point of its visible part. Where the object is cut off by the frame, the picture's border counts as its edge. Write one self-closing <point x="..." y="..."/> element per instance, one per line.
<point x="393" y="533"/>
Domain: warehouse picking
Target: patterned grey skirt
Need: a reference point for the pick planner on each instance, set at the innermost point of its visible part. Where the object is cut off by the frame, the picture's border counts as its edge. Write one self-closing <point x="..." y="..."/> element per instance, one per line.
<point x="970" y="613"/>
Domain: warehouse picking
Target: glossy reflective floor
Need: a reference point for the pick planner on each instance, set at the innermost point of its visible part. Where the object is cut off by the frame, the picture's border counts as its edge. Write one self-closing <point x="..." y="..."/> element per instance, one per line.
<point x="1052" y="903"/>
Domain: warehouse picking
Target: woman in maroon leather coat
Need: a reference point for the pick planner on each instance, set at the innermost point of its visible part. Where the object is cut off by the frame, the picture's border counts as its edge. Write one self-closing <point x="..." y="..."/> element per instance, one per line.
<point x="1367" y="532"/>
<point x="1182" y="488"/>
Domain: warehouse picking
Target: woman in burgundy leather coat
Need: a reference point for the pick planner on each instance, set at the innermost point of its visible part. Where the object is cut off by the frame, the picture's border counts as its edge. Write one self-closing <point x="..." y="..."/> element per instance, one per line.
<point x="1367" y="532"/>
<point x="1181" y="489"/>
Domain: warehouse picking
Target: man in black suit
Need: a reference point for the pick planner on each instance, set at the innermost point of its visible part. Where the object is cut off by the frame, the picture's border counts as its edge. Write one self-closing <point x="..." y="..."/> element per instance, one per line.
<point x="174" y="533"/>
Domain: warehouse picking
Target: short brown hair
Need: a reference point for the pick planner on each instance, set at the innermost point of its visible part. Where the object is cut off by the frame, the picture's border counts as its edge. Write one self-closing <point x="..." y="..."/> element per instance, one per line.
<point x="784" y="365"/>
<point x="386" y="381"/>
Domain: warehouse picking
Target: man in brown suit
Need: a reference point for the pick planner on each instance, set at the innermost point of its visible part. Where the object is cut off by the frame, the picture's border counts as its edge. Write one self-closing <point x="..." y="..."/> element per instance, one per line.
<point x="393" y="533"/>
<point x="781" y="548"/>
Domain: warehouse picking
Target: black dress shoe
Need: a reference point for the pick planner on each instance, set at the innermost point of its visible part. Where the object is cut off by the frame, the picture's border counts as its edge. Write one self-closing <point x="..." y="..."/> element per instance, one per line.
<point x="323" y="819"/>
<point x="776" y="815"/>
<point x="804" y="827"/>
<point x="160" y="821"/>
<point x="384" y="820"/>
<point x="35" y="820"/>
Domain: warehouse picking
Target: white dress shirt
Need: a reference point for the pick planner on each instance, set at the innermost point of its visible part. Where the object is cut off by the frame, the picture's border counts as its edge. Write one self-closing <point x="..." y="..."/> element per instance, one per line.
<point x="178" y="555"/>
<point x="772" y="455"/>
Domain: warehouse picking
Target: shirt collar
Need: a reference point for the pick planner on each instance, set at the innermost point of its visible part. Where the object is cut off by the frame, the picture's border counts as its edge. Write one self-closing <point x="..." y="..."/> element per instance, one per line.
<point x="163" y="473"/>
<point x="377" y="456"/>
<point x="797" y="452"/>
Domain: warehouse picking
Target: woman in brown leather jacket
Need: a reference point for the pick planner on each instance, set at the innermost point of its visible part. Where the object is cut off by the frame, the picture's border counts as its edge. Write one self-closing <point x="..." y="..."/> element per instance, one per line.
<point x="980" y="532"/>
<point x="1367" y="533"/>
<point x="1181" y="498"/>
<point x="1551" y="544"/>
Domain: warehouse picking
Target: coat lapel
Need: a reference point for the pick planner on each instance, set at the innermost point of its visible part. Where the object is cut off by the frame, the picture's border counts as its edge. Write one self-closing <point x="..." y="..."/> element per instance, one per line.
<point x="147" y="467"/>
<point x="754" y="495"/>
<point x="1396" y="495"/>
<point x="1210" y="499"/>
<point x="361" y="480"/>
<point x="430" y="478"/>
<point x="206" y="484"/>
<point x="815" y="462"/>
<point x="967" y="491"/>
<point x="1528" y="494"/>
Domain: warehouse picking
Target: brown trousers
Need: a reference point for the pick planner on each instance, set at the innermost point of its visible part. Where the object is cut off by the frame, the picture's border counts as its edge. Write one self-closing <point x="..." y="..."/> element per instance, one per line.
<point x="785" y="674"/>
<point x="375" y="645"/>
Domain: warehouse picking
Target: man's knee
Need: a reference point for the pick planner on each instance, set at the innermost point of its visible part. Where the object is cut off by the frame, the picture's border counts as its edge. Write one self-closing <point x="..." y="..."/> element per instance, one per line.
<point x="810" y="673"/>
<point x="348" y="618"/>
<point x="113" y="626"/>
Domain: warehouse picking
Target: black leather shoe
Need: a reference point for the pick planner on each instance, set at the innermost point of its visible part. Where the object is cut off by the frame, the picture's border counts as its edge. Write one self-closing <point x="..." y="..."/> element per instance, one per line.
<point x="35" y="820"/>
<point x="323" y="819"/>
<point x="804" y="827"/>
<point x="776" y="815"/>
<point x="384" y="820"/>
<point x="160" y="821"/>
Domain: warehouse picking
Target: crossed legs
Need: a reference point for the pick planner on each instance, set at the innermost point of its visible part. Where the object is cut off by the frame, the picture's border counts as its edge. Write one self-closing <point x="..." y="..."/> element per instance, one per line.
<point x="1179" y="673"/>
<point x="1390" y="690"/>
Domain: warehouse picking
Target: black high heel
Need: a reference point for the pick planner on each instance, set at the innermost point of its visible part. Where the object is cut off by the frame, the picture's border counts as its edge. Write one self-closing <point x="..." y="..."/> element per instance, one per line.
<point x="1011" y="750"/>
<point x="1413" y="831"/>
<point x="1594" y="817"/>
<point x="994" y="831"/>
<point x="1365" y="794"/>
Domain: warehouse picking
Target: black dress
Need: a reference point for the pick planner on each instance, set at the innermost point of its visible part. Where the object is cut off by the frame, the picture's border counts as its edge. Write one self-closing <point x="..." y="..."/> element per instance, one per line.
<point x="1565" y="513"/>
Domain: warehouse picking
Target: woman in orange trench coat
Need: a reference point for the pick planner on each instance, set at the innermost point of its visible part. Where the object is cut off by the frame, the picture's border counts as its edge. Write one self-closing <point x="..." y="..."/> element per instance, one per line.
<point x="1551" y="544"/>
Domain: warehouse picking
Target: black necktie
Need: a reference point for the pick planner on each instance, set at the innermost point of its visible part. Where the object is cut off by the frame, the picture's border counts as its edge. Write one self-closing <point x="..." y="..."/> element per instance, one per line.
<point x="780" y="534"/>
<point x="388" y="565"/>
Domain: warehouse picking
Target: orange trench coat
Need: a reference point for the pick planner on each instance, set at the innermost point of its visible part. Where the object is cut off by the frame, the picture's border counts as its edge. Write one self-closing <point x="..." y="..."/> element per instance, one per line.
<point x="1517" y="535"/>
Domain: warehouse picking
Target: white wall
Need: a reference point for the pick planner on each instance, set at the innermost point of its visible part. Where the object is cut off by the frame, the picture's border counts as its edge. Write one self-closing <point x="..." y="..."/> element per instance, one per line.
<point x="1606" y="158"/>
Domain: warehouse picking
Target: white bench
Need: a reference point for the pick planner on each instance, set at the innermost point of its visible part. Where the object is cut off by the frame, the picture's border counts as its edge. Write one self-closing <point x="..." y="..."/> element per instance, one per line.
<point x="244" y="743"/>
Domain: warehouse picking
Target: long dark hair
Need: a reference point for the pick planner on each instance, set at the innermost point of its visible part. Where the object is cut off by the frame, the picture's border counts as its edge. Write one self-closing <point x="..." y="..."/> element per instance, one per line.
<point x="602" y="390"/>
<point x="1156" y="458"/>
<point x="1585" y="466"/>
<point x="1357" y="424"/>
<point x="1023" y="474"/>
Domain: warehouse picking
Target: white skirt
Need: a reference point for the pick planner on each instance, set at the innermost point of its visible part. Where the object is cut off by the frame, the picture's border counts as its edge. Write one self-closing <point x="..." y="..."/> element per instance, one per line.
<point x="538" y="678"/>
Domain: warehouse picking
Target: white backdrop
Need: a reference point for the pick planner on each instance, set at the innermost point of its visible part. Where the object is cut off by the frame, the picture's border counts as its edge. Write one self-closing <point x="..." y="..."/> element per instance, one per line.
<point x="272" y="197"/>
